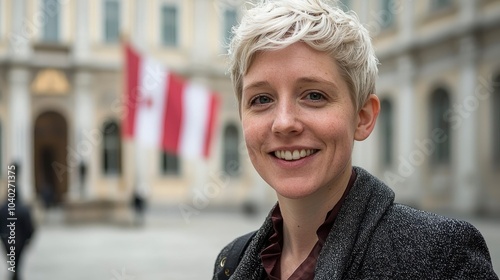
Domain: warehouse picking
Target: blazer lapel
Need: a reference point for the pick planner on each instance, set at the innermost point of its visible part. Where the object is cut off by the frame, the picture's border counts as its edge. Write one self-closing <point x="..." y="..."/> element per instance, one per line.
<point x="364" y="206"/>
<point x="250" y="265"/>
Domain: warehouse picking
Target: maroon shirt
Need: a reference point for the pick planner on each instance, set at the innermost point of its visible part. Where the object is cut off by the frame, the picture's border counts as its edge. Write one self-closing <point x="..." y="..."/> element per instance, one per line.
<point x="271" y="254"/>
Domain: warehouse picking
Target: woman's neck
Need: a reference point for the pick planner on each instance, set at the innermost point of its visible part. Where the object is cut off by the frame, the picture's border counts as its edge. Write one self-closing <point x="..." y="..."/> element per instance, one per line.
<point x="302" y="217"/>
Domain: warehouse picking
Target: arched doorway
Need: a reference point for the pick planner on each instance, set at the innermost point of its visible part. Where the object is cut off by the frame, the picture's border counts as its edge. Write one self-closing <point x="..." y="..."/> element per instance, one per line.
<point x="50" y="153"/>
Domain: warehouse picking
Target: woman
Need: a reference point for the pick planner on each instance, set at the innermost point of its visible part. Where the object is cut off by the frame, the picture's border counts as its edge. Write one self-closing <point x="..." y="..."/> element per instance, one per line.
<point x="304" y="74"/>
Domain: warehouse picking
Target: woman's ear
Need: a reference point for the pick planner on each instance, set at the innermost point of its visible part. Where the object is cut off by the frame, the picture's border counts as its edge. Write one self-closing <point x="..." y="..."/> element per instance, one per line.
<point x="367" y="116"/>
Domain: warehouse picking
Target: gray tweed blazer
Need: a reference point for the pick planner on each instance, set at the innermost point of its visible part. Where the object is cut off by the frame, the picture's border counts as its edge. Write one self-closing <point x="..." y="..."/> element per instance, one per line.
<point x="375" y="238"/>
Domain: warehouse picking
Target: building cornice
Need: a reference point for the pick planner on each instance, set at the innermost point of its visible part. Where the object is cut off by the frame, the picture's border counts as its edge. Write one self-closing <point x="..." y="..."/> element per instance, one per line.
<point x="451" y="33"/>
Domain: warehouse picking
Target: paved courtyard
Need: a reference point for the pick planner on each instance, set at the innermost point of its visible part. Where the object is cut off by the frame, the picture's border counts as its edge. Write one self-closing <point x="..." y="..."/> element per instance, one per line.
<point x="166" y="247"/>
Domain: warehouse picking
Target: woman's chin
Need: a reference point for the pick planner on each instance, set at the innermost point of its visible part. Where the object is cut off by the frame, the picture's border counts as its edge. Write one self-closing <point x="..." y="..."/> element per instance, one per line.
<point x="294" y="192"/>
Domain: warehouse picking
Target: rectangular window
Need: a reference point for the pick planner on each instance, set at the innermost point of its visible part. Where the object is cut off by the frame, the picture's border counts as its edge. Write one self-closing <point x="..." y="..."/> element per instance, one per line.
<point x="388" y="14"/>
<point x="168" y="26"/>
<point x="231" y="151"/>
<point x="345" y="5"/>
<point x="112" y="149"/>
<point x="440" y="4"/>
<point x="111" y="21"/>
<point x="170" y="164"/>
<point x="440" y="127"/>
<point x="386" y="126"/>
<point x="51" y="13"/>
<point x="230" y="20"/>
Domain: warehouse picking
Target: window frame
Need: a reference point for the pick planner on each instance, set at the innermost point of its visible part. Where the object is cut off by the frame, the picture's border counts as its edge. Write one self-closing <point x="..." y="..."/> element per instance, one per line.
<point x="107" y="170"/>
<point x="45" y="36"/>
<point x="105" y="36"/>
<point x="163" y="38"/>
<point x="390" y="21"/>
<point x="439" y="5"/>
<point x="172" y="169"/>
<point x="387" y="132"/>
<point x="440" y="106"/>
<point x="231" y="158"/>
<point x="345" y="5"/>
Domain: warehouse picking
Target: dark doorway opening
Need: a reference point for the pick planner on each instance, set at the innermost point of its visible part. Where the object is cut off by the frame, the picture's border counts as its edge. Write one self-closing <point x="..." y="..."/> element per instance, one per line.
<point x="50" y="153"/>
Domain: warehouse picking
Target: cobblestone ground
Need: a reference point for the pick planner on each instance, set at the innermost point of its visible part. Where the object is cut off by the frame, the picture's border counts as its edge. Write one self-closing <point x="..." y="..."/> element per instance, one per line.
<point x="166" y="247"/>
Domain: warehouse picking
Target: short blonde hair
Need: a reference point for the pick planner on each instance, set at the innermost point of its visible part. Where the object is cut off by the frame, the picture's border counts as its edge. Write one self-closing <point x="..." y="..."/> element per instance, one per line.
<point x="273" y="25"/>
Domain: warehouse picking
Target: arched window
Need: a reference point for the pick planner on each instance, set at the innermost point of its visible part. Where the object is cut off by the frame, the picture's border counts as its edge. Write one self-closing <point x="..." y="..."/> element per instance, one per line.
<point x="170" y="164"/>
<point x="231" y="150"/>
<point x="111" y="148"/>
<point x="440" y="125"/>
<point x="386" y="132"/>
<point x="495" y="121"/>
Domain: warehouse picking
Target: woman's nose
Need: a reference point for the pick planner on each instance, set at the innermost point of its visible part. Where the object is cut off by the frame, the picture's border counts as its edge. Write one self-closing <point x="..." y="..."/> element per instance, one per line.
<point x="287" y="119"/>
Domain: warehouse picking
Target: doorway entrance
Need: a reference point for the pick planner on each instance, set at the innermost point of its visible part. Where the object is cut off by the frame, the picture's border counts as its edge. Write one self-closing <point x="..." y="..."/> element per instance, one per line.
<point x="50" y="153"/>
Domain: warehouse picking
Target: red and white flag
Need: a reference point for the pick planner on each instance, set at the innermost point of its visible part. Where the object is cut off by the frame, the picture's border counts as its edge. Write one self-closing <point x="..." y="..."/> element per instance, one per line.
<point x="163" y="110"/>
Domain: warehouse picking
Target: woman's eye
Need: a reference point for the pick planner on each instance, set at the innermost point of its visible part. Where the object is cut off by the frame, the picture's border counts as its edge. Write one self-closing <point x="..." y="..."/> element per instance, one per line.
<point x="315" y="96"/>
<point x="261" y="99"/>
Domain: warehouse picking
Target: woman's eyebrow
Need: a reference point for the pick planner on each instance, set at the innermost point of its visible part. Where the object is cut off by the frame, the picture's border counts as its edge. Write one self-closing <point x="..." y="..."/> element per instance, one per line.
<point x="258" y="84"/>
<point x="302" y="80"/>
<point x="317" y="80"/>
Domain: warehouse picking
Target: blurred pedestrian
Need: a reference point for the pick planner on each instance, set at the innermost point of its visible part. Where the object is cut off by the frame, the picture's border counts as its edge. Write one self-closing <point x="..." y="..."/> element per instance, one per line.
<point x="304" y="74"/>
<point x="16" y="225"/>
<point x="139" y="205"/>
<point x="82" y="172"/>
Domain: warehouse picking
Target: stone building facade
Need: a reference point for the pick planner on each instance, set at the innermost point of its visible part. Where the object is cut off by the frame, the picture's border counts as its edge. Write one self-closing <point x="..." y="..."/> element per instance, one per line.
<point x="61" y="101"/>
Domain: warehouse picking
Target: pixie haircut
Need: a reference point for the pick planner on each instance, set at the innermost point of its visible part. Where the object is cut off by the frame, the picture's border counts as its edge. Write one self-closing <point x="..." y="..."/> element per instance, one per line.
<point x="274" y="25"/>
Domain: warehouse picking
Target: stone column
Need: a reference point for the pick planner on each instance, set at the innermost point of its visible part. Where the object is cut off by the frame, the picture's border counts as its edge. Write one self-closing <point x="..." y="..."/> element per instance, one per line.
<point x="363" y="15"/>
<point x="201" y="49"/>
<point x="407" y="11"/>
<point x="81" y="43"/>
<point x="465" y="156"/>
<point x="82" y="104"/>
<point x="202" y="184"/>
<point x="21" y="33"/>
<point x="139" y="30"/>
<point x="141" y="154"/>
<point x="83" y="146"/>
<point x="406" y="166"/>
<point x="468" y="11"/>
<point x="19" y="130"/>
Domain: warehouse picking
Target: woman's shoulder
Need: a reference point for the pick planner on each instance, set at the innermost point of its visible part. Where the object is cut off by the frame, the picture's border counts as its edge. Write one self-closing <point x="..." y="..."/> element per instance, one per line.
<point x="421" y="242"/>
<point x="403" y="219"/>
<point x="415" y="229"/>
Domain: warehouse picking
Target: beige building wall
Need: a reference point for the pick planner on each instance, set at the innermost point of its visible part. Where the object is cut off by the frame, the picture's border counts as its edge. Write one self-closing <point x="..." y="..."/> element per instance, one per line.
<point x="456" y="47"/>
<point x="420" y="47"/>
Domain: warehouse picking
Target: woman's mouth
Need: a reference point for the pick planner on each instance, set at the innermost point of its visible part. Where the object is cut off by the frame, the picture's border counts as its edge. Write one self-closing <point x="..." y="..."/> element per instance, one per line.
<point x="295" y="154"/>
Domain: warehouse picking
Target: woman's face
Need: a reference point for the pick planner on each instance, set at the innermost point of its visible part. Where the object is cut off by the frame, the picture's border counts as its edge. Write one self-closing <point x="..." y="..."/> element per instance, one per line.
<point x="298" y="120"/>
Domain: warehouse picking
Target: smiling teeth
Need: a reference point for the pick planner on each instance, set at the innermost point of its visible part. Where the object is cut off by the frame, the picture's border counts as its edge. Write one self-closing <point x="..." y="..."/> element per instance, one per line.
<point x="293" y="155"/>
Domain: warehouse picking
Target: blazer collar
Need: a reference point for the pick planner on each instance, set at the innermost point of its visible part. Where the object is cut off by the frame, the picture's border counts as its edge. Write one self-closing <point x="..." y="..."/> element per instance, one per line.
<point x="358" y="218"/>
<point x="364" y="206"/>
